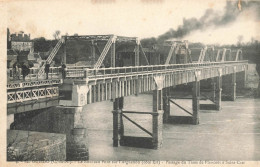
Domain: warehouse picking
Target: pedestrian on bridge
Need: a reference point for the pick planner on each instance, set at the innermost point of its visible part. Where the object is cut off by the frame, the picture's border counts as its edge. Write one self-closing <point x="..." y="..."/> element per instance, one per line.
<point x="63" y="71"/>
<point x="25" y="70"/>
<point x="47" y="69"/>
<point x="15" y="71"/>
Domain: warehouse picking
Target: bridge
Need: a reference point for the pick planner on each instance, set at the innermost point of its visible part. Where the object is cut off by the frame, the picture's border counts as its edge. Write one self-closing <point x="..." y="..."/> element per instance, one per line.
<point x="83" y="85"/>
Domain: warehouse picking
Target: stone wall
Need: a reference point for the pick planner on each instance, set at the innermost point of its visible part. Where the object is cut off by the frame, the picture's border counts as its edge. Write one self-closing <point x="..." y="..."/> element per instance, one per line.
<point x="68" y="121"/>
<point x="35" y="146"/>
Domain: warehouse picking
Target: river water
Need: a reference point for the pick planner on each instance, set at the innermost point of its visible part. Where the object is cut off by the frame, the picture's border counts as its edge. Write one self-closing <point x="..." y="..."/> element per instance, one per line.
<point x="231" y="134"/>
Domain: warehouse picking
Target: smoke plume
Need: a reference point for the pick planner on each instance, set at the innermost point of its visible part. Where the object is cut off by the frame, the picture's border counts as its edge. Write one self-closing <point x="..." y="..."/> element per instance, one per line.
<point x="212" y="18"/>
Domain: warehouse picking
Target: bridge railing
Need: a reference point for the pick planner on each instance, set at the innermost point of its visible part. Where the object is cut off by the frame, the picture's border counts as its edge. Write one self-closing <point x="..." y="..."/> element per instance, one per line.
<point x="32" y="94"/>
<point x="116" y="71"/>
<point x="16" y="75"/>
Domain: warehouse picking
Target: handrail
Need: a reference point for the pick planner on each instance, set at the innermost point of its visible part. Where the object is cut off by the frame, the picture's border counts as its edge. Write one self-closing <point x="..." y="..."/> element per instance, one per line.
<point x="87" y="72"/>
<point x="33" y="75"/>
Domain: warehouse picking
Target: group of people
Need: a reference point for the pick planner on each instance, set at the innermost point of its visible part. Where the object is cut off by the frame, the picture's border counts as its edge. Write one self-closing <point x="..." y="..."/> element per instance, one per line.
<point x="25" y="70"/>
<point x="47" y="70"/>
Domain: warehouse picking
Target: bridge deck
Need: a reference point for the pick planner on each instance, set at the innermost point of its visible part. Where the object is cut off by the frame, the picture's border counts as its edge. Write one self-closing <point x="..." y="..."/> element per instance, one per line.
<point x="110" y="83"/>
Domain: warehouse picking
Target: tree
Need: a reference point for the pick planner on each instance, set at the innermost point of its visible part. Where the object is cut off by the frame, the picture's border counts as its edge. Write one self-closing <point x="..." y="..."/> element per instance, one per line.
<point x="56" y="35"/>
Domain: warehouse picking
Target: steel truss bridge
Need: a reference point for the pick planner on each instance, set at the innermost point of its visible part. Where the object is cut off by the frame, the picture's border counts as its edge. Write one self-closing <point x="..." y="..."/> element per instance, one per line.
<point x="82" y="85"/>
<point x="111" y="83"/>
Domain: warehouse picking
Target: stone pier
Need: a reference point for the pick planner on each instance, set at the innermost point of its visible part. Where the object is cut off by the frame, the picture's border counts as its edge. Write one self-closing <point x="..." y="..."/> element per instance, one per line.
<point x="63" y="120"/>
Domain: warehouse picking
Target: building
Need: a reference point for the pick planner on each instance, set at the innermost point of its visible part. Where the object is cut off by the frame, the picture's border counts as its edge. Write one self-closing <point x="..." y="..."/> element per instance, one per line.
<point x="22" y="49"/>
<point x="21" y="42"/>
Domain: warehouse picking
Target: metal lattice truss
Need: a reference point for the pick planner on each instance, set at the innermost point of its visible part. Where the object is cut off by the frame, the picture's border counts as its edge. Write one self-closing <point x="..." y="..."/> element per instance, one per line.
<point x="15" y="85"/>
<point x="100" y="38"/>
<point x="110" y="44"/>
<point x="177" y="47"/>
<point x="32" y="94"/>
<point x="51" y="56"/>
<point x="222" y="55"/>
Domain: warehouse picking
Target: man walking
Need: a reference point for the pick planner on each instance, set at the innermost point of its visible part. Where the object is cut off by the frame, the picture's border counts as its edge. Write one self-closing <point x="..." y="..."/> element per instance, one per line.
<point x="63" y="71"/>
<point x="47" y="69"/>
<point x="25" y="70"/>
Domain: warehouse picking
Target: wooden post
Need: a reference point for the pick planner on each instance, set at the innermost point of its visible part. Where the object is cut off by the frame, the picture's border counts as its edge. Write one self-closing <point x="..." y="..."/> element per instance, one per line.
<point x="158" y="110"/>
<point x="213" y="84"/>
<point x="195" y="102"/>
<point x="98" y="92"/>
<point x="137" y="52"/>
<point x="233" y="89"/>
<point x="113" y="54"/>
<point x="65" y="52"/>
<point x="166" y="105"/>
<point x="218" y="92"/>
<point x="157" y="119"/>
<point x="94" y="93"/>
<point x="114" y="90"/>
<point x="137" y="86"/>
<point x="118" y="129"/>
<point x="93" y="52"/>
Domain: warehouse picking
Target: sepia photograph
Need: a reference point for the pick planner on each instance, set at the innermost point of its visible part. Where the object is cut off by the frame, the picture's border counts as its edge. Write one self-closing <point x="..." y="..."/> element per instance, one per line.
<point x="148" y="82"/>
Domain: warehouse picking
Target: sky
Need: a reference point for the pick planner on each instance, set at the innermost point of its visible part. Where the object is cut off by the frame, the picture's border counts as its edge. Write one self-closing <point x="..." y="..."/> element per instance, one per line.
<point x="137" y="18"/>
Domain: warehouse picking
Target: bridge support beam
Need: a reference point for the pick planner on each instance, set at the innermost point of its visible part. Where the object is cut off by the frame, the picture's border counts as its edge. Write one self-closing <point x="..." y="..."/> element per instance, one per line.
<point x="166" y="104"/>
<point x="195" y="102"/>
<point x="157" y="118"/>
<point x="64" y="51"/>
<point x="155" y="137"/>
<point x="93" y="52"/>
<point x="113" y="54"/>
<point x="218" y="92"/>
<point x="137" y="53"/>
<point x="158" y="110"/>
<point x="194" y="114"/>
<point x="137" y="86"/>
<point x="213" y="85"/>
<point x="233" y="87"/>
<point x="118" y="129"/>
